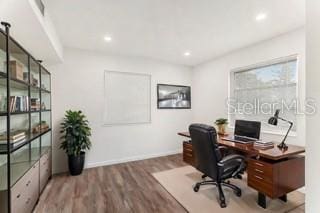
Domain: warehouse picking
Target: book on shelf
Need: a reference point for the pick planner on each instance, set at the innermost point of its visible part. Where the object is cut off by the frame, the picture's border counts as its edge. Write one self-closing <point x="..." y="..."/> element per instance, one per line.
<point x="14" y="135"/>
<point x="3" y="144"/>
<point x="16" y="138"/>
<point x="19" y="103"/>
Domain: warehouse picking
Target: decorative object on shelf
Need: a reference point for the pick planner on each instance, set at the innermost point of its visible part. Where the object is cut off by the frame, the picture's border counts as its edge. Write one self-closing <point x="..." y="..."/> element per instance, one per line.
<point x="41" y="127"/>
<point x="35" y="104"/>
<point x="16" y="70"/>
<point x="26" y="76"/>
<point x="274" y="121"/>
<point x="43" y="86"/>
<point x="174" y="96"/>
<point x="75" y="139"/>
<point x="43" y="106"/>
<point x="221" y="124"/>
<point x="33" y="81"/>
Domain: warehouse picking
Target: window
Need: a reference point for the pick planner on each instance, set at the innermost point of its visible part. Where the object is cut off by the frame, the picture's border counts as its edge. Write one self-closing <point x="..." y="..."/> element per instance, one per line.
<point x="257" y="91"/>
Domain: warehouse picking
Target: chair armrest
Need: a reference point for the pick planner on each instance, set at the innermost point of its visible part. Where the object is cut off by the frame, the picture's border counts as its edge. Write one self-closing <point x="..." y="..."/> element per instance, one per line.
<point x="230" y="159"/>
<point x="223" y="148"/>
<point x="224" y="151"/>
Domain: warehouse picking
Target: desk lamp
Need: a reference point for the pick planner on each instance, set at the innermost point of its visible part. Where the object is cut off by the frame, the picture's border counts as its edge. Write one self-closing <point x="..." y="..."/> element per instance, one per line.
<point x="274" y="121"/>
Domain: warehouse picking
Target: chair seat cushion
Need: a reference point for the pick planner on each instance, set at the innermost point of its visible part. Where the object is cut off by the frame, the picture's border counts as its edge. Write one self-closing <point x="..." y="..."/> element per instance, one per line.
<point x="230" y="169"/>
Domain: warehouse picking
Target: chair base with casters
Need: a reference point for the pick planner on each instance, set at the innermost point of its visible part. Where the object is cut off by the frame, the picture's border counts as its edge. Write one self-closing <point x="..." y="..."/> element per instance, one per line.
<point x="222" y="200"/>
<point x="214" y="161"/>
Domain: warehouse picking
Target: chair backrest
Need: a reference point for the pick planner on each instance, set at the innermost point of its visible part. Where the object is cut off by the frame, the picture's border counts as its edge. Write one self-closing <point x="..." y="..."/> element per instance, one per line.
<point x="205" y="149"/>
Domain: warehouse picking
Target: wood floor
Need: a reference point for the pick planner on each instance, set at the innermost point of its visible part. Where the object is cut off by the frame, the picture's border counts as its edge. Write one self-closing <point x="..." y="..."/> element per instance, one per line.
<point x="127" y="187"/>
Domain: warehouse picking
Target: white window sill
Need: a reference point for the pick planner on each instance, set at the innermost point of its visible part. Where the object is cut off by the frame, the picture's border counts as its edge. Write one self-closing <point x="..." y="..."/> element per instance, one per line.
<point x="281" y="133"/>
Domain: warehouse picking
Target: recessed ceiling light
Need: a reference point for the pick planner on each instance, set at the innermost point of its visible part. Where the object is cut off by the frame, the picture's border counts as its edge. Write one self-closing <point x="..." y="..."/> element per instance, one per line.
<point x="187" y="53"/>
<point x="107" y="38"/>
<point x="261" y="16"/>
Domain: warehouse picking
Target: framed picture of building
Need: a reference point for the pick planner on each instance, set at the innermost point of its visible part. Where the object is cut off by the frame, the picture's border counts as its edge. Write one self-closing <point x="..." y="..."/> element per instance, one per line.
<point x="173" y="96"/>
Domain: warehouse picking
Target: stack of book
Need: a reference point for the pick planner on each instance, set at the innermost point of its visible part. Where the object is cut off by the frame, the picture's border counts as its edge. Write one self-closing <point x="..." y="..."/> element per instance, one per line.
<point x="19" y="103"/>
<point x="263" y="144"/>
<point x="35" y="104"/>
<point x="16" y="138"/>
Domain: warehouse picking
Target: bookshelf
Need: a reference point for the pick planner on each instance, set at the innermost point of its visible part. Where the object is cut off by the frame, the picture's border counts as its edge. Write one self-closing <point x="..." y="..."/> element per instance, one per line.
<point x="25" y="126"/>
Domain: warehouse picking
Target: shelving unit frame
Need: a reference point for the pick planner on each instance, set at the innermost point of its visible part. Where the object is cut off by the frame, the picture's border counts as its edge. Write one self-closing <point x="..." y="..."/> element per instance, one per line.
<point x="8" y="176"/>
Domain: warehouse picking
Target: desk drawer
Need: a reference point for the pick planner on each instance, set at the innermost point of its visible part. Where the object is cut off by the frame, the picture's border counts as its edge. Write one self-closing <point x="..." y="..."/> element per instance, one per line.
<point x="188" y="155"/>
<point x="260" y="177"/>
<point x="260" y="185"/>
<point x="260" y="167"/>
<point x="187" y="145"/>
<point x="260" y="170"/>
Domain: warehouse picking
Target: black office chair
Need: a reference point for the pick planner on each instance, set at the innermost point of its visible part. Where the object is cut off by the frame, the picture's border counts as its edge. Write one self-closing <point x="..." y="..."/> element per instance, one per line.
<point x="211" y="163"/>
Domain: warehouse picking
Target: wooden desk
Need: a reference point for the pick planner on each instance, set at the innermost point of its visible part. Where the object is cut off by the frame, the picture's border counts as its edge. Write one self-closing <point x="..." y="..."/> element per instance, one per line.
<point x="272" y="172"/>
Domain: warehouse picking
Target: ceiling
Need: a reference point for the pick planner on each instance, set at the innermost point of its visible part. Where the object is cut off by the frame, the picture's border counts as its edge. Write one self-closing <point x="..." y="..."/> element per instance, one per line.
<point x="165" y="29"/>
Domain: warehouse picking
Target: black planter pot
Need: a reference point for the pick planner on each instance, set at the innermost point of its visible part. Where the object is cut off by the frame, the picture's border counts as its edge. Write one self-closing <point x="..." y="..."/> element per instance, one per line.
<point x="76" y="163"/>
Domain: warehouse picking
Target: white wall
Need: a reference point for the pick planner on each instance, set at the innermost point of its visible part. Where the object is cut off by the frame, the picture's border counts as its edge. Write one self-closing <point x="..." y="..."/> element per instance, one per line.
<point x="78" y="84"/>
<point x="34" y="31"/>
<point x="313" y="91"/>
<point x="210" y="80"/>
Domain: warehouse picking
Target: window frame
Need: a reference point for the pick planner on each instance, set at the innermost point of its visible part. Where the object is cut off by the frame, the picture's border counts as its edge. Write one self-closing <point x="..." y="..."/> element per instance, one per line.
<point x="231" y="84"/>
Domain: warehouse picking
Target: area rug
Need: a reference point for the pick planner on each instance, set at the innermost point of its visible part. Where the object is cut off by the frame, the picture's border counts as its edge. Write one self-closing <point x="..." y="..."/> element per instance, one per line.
<point x="179" y="183"/>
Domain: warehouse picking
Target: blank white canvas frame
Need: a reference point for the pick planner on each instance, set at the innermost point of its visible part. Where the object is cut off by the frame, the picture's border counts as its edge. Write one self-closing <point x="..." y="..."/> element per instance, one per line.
<point x="127" y="98"/>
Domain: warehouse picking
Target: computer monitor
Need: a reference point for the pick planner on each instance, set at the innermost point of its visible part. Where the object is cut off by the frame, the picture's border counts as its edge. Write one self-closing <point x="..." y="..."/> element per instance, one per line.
<point x="247" y="128"/>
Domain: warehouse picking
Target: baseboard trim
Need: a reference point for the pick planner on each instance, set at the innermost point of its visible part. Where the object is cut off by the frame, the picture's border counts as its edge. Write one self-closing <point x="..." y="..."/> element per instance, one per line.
<point x="133" y="158"/>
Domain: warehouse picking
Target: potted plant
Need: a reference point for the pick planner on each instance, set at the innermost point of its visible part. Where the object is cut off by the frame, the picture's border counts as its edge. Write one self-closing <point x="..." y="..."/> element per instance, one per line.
<point x="75" y="132"/>
<point x="221" y="123"/>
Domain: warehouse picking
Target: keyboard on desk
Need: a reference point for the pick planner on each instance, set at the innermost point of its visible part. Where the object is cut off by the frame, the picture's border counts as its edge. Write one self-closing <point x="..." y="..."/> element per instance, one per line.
<point x="240" y="139"/>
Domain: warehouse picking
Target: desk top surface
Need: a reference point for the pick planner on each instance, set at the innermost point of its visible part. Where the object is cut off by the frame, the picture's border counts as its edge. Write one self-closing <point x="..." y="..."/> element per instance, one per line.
<point x="272" y="153"/>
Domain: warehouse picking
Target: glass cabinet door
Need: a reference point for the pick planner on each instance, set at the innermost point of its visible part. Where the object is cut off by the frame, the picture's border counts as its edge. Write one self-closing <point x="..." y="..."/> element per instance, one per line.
<point x="45" y="142"/>
<point x="35" y="104"/>
<point x="45" y="80"/>
<point x="34" y="73"/>
<point x="3" y="74"/>
<point x="35" y="149"/>
<point x="3" y="127"/>
<point x="45" y="100"/>
<point x="18" y="65"/>
<point x="3" y="183"/>
<point x="3" y="169"/>
<point x="23" y="159"/>
<point x="45" y="121"/>
<point x="3" y="54"/>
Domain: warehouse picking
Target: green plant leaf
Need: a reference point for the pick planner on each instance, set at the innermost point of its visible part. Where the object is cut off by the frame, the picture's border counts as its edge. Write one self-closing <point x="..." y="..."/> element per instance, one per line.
<point x="75" y="132"/>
